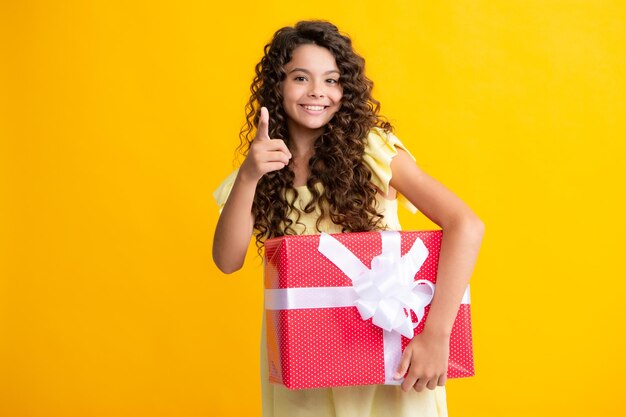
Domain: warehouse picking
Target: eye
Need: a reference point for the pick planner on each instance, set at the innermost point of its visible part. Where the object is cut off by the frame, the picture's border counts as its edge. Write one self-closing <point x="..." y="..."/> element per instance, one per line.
<point x="332" y="81"/>
<point x="300" y="78"/>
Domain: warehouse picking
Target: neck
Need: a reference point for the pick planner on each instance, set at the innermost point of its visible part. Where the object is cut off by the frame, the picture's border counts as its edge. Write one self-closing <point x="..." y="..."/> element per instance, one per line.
<point x="302" y="139"/>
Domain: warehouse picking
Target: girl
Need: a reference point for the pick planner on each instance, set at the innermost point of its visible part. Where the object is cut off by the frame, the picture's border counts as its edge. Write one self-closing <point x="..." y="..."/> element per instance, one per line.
<point x="322" y="159"/>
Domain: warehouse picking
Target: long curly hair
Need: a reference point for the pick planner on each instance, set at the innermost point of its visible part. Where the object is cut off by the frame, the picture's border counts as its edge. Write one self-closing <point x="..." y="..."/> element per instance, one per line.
<point x="348" y="195"/>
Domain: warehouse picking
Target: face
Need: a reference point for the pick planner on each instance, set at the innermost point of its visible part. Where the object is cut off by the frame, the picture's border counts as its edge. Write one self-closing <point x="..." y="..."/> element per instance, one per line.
<point x="311" y="90"/>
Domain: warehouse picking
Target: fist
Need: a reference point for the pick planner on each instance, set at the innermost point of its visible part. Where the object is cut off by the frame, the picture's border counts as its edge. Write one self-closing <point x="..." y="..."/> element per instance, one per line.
<point x="426" y="360"/>
<point x="265" y="154"/>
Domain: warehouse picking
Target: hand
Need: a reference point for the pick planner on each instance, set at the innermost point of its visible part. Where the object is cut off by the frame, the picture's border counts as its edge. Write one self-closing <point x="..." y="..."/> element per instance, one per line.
<point x="426" y="359"/>
<point x="265" y="154"/>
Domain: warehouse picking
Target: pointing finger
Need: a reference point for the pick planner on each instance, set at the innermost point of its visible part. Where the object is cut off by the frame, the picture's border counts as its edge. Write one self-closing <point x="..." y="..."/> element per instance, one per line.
<point x="263" y="127"/>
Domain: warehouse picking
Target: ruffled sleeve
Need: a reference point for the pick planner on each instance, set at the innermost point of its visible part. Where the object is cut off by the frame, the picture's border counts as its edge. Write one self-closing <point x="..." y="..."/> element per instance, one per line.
<point x="380" y="148"/>
<point x="223" y="191"/>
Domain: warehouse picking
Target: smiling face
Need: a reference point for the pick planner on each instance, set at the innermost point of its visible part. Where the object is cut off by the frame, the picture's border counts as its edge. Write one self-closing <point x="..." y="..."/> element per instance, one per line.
<point x="311" y="90"/>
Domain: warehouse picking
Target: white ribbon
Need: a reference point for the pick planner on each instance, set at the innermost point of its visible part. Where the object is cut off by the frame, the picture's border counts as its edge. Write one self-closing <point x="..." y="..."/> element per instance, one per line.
<point x="387" y="292"/>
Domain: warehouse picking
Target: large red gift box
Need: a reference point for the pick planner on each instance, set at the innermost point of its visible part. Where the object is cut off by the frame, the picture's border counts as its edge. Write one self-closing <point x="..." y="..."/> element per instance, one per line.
<point x="341" y="308"/>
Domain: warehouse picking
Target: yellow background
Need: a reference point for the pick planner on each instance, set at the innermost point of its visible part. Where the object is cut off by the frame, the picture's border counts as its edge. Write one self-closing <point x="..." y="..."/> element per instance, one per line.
<point x="119" y="119"/>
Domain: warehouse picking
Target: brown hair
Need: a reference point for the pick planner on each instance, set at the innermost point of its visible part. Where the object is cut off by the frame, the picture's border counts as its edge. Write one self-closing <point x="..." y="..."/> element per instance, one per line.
<point x="348" y="196"/>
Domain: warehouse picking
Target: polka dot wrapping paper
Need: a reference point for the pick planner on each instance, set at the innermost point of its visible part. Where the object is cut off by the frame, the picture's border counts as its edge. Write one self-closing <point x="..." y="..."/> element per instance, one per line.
<point x="314" y="346"/>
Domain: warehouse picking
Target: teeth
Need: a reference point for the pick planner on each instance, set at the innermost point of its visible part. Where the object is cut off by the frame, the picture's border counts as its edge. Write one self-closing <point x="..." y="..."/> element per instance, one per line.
<point x="314" y="108"/>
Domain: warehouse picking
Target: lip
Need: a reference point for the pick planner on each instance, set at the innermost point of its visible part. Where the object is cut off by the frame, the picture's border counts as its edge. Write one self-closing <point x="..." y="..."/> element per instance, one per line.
<point x="313" y="112"/>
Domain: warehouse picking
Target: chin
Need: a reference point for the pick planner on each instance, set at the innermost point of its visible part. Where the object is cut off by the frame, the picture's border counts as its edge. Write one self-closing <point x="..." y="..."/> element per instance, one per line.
<point x="315" y="126"/>
<point x="312" y="124"/>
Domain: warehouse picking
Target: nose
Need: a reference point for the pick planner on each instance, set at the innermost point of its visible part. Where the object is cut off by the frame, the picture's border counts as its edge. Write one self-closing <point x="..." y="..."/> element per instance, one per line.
<point x="317" y="90"/>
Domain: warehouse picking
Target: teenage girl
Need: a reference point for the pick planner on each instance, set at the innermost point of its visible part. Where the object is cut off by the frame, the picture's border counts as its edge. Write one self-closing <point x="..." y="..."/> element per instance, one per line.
<point x="319" y="158"/>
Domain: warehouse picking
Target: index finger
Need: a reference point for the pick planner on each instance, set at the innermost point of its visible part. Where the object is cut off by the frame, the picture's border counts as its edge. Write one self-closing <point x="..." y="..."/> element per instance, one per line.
<point x="263" y="126"/>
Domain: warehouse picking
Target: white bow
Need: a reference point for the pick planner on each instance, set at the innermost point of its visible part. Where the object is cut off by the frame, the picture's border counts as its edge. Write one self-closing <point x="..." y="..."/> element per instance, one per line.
<point x="387" y="292"/>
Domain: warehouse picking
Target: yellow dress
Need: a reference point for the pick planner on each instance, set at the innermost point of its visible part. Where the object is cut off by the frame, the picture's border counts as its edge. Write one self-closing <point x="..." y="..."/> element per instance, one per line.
<point x="357" y="401"/>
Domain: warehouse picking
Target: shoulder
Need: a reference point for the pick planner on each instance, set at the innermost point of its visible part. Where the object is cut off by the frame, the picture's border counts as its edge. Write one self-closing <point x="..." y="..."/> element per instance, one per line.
<point x="381" y="146"/>
<point x="381" y="143"/>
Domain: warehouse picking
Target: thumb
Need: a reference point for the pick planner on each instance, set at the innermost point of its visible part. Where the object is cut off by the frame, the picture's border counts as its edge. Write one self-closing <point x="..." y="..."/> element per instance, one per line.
<point x="263" y="127"/>
<point x="404" y="364"/>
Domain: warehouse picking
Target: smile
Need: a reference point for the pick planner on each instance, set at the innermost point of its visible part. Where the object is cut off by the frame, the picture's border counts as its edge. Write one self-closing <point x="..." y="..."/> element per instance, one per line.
<point x="313" y="108"/>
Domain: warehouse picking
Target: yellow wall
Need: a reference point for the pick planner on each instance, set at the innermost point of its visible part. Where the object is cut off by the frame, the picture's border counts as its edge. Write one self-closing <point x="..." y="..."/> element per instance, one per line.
<point x="118" y="119"/>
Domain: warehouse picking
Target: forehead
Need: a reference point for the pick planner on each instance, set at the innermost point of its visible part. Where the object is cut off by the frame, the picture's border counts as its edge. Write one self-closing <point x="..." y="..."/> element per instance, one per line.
<point x="312" y="57"/>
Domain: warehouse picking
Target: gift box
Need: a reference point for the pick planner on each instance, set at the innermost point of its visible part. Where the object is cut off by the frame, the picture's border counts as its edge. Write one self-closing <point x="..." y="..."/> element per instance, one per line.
<point x="341" y="308"/>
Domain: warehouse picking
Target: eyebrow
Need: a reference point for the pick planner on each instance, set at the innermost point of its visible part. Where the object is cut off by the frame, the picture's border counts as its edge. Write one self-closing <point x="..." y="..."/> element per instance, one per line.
<point x="308" y="72"/>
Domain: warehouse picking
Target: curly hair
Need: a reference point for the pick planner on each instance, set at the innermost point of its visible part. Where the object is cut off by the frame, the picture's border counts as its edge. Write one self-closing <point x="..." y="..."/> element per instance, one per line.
<point x="337" y="162"/>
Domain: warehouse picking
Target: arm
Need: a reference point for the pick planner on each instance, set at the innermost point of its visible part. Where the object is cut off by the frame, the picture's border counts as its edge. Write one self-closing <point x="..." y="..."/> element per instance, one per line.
<point x="427" y="353"/>
<point x="234" y="227"/>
